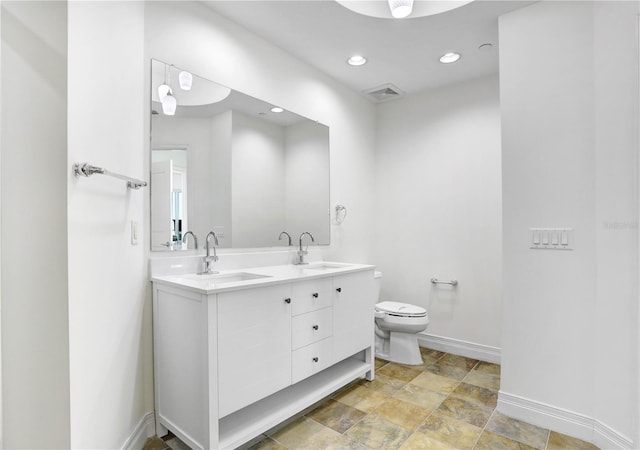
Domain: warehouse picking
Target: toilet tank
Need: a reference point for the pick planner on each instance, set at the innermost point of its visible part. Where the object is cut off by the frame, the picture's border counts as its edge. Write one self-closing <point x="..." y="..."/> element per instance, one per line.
<point x="378" y="280"/>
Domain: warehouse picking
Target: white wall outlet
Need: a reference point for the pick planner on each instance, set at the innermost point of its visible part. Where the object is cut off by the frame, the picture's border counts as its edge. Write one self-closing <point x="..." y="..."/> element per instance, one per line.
<point x="551" y="238"/>
<point x="134" y="232"/>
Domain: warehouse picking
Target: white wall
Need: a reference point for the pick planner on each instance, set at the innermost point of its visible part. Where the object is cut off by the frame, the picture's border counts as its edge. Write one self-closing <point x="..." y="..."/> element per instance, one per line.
<point x="35" y="341"/>
<point x="257" y="182"/>
<point x="228" y="54"/>
<point x="307" y="180"/>
<point x="108" y="324"/>
<point x="438" y="209"/>
<point x="569" y="97"/>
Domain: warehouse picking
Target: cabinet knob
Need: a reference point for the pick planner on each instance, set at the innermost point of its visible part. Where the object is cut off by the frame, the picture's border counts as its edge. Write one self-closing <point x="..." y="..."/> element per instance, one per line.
<point x="315" y="295"/>
<point x="287" y="300"/>
<point x="315" y="327"/>
<point x="315" y="359"/>
<point x="338" y="289"/>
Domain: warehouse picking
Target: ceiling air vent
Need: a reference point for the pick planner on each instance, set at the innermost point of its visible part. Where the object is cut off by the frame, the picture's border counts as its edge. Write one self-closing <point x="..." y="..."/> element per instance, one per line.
<point x="384" y="93"/>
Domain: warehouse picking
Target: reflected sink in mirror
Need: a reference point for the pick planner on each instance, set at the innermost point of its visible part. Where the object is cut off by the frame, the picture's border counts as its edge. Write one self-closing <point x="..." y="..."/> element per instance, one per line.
<point x="220" y="278"/>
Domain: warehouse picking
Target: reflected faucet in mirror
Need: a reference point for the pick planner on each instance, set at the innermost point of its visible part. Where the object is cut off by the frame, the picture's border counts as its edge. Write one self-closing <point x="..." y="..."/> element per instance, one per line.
<point x="286" y="234"/>
<point x="208" y="259"/>
<point x="195" y="239"/>
<point x="301" y="252"/>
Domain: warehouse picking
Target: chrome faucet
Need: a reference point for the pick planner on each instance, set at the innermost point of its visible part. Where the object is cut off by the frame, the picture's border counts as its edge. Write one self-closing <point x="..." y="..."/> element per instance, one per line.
<point x="208" y="259"/>
<point x="195" y="239"/>
<point x="301" y="252"/>
<point x="286" y="234"/>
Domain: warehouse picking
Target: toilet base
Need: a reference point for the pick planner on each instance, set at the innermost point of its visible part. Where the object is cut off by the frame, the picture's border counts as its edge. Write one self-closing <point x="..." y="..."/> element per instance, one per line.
<point x="401" y="348"/>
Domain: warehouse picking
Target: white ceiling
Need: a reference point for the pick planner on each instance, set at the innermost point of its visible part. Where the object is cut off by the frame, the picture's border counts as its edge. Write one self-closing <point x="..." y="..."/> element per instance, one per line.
<point x="403" y="52"/>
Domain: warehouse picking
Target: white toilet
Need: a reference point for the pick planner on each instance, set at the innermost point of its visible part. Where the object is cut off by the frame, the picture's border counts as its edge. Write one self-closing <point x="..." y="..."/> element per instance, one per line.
<point x="397" y="326"/>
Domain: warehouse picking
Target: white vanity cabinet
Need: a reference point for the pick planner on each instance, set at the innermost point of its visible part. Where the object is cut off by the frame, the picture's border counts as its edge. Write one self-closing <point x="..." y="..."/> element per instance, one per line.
<point x="231" y="362"/>
<point x="254" y="345"/>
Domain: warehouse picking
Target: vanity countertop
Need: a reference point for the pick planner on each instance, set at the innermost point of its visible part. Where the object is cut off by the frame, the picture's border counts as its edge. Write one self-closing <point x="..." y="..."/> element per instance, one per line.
<point x="231" y="280"/>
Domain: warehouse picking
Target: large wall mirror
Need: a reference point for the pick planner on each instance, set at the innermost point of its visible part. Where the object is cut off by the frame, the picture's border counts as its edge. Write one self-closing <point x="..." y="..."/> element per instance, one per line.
<point x="226" y="162"/>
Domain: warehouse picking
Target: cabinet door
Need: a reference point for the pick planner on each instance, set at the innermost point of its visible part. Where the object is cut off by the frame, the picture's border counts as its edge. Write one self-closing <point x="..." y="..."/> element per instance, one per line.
<point x="254" y="345"/>
<point x="353" y="304"/>
<point x="310" y="295"/>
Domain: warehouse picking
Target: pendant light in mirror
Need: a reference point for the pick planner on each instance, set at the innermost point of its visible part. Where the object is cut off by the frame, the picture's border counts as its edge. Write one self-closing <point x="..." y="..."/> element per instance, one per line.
<point x="169" y="104"/>
<point x="400" y="8"/>
<point x="185" y="79"/>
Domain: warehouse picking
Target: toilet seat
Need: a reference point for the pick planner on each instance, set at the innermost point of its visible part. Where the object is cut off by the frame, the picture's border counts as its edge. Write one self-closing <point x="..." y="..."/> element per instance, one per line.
<point x="398" y="309"/>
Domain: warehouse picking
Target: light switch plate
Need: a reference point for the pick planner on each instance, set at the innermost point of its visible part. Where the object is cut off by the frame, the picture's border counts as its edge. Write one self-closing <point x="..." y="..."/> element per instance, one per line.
<point x="551" y="238"/>
<point x="134" y="232"/>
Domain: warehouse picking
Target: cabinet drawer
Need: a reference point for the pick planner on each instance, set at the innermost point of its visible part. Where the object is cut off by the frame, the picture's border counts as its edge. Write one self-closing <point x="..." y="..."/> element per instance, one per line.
<point x="311" y="359"/>
<point x="311" y="295"/>
<point x="311" y="327"/>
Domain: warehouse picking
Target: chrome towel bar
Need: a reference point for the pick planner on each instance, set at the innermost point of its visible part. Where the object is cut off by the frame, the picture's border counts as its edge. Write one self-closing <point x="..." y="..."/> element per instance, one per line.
<point x="86" y="170"/>
<point x="452" y="282"/>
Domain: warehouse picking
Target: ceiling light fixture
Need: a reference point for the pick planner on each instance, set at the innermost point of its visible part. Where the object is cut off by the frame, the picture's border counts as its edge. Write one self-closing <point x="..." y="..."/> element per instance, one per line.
<point x="186" y="79"/>
<point x="400" y="8"/>
<point x="276" y="109"/>
<point x="449" y="58"/>
<point x="357" y="60"/>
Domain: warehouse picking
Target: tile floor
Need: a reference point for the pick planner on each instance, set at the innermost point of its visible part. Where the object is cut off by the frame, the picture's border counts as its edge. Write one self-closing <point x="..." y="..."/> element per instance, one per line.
<point x="446" y="403"/>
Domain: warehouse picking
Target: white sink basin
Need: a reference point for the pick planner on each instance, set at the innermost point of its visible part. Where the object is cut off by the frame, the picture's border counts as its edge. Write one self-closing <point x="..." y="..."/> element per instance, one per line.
<point x="220" y="278"/>
<point x="326" y="266"/>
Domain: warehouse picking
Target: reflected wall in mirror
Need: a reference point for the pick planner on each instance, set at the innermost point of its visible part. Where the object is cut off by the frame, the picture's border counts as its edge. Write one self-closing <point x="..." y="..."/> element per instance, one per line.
<point x="226" y="162"/>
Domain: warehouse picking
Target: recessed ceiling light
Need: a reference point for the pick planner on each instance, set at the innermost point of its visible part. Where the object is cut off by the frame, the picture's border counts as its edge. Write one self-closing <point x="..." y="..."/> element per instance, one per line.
<point x="485" y="47"/>
<point x="357" y="60"/>
<point x="276" y="109"/>
<point x="449" y="58"/>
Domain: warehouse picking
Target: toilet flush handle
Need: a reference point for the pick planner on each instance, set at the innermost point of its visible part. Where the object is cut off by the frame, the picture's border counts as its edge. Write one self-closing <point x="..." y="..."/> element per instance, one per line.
<point x="339" y="289"/>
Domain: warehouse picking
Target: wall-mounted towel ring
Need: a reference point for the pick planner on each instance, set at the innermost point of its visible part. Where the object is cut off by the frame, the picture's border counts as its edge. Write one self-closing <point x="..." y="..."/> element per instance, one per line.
<point x="341" y="213"/>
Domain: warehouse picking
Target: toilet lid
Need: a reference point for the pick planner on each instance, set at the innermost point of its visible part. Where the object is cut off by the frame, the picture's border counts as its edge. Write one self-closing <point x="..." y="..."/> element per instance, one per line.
<point x="401" y="309"/>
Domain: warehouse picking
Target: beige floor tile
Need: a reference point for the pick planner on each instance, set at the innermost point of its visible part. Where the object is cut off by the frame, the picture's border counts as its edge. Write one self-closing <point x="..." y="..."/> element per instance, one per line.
<point x="482" y="379"/>
<point x="336" y="415"/>
<point x="345" y="442"/>
<point x="465" y="411"/>
<point x="384" y="384"/>
<point x="457" y="433"/>
<point x="401" y="413"/>
<point x="305" y="434"/>
<point x="458" y="361"/>
<point x="155" y="443"/>
<point x="558" y="441"/>
<point x="447" y="370"/>
<point x="267" y="444"/>
<point x="487" y="367"/>
<point x="517" y="430"/>
<point x="380" y="363"/>
<point x="491" y="441"/>
<point x="375" y="432"/>
<point x="420" y="396"/>
<point x="428" y="353"/>
<point x="476" y="394"/>
<point x="419" y="441"/>
<point x="404" y="373"/>
<point x="361" y="398"/>
<point x="437" y="383"/>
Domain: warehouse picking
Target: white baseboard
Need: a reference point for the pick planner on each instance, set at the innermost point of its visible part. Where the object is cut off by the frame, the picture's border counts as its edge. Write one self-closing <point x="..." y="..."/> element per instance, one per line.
<point x="458" y="347"/>
<point x="145" y="429"/>
<point x="562" y="421"/>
